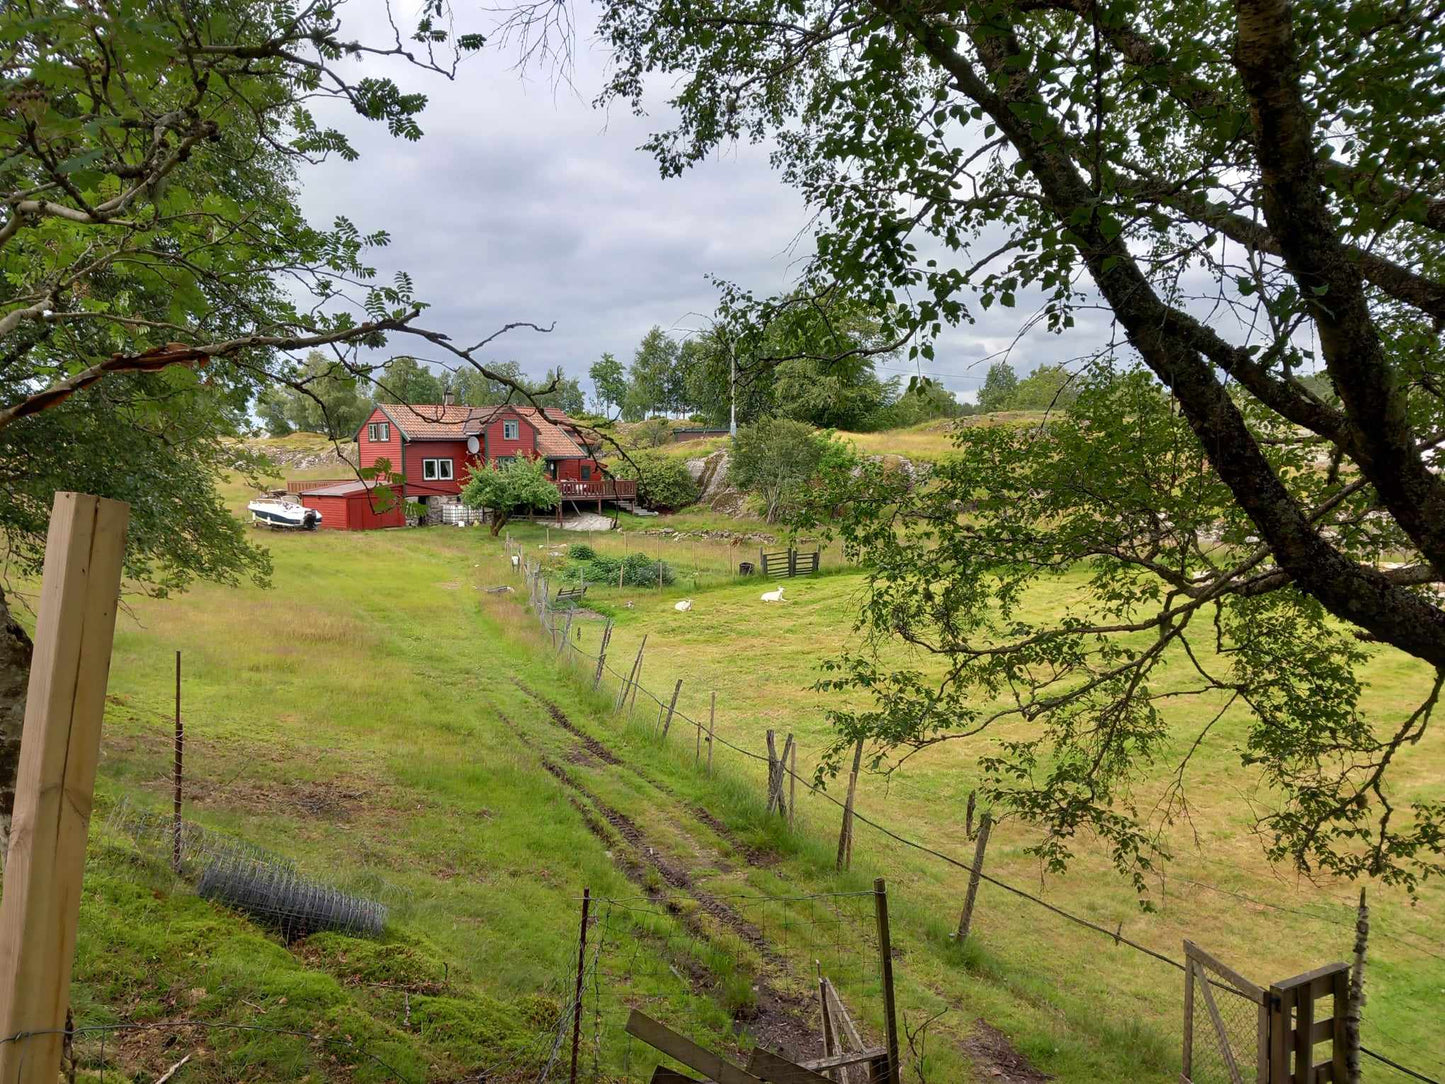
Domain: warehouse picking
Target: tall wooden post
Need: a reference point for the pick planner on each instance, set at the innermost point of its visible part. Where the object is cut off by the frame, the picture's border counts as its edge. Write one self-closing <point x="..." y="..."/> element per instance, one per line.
<point x="790" y="765"/>
<point x="965" y="918"/>
<point x="637" y="679"/>
<point x="176" y="788"/>
<point x="711" y="720"/>
<point x="885" y="951"/>
<point x="602" y="656"/>
<point x="577" y="997"/>
<point x="845" y="834"/>
<point x="632" y="675"/>
<point x="54" y="794"/>
<point x="772" y="770"/>
<point x="672" y="707"/>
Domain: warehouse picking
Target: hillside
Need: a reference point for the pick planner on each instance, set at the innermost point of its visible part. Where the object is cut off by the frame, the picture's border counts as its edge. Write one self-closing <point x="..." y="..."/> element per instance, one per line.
<point x="389" y="725"/>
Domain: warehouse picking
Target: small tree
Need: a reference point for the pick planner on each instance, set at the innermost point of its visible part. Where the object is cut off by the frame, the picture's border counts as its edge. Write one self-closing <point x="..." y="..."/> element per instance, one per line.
<point x="776" y="458"/>
<point x="522" y="483"/>
<point x="609" y="377"/>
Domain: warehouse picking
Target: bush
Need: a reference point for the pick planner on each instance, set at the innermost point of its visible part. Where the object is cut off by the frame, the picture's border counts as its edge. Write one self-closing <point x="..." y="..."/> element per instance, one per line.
<point x="581" y="551"/>
<point x="638" y="570"/>
<point x="662" y="480"/>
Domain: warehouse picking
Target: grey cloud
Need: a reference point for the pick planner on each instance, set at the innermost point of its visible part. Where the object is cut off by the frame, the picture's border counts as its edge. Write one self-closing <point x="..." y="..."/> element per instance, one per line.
<point x="522" y="204"/>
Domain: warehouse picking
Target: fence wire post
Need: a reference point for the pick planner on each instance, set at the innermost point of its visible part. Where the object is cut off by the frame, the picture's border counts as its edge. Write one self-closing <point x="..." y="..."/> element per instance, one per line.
<point x="885" y="952"/>
<point x="965" y="918"/>
<point x="845" y="834"/>
<point x="793" y="784"/>
<point x="602" y="656"/>
<point x="581" y="969"/>
<point x="180" y="750"/>
<point x="711" y="721"/>
<point x="671" y="708"/>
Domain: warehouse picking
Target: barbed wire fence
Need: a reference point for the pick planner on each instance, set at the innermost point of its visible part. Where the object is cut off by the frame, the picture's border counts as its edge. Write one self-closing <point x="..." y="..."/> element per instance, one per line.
<point x="561" y="625"/>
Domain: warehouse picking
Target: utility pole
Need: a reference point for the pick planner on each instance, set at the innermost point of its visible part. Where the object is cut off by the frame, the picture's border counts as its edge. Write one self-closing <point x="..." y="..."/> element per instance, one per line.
<point x="733" y="389"/>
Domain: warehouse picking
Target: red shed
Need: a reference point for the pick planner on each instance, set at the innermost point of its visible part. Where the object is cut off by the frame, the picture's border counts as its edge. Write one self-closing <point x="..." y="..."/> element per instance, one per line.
<point x="352" y="506"/>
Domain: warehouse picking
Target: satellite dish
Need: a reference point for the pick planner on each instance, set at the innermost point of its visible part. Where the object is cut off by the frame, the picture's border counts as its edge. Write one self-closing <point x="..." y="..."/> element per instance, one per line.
<point x="473" y="445"/>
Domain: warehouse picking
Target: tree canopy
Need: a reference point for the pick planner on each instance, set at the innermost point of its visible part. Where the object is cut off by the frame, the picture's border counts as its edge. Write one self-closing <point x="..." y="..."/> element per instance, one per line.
<point x="1250" y="191"/>
<point x="505" y="490"/>
<point x="158" y="272"/>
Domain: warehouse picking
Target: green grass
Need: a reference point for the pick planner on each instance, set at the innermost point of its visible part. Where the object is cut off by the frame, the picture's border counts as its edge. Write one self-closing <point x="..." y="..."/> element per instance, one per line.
<point x="362" y="718"/>
<point x="1220" y="892"/>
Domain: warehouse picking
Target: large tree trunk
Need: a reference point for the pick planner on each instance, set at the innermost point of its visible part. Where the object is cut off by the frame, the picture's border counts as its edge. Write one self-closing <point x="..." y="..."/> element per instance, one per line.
<point x="15" y="650"/>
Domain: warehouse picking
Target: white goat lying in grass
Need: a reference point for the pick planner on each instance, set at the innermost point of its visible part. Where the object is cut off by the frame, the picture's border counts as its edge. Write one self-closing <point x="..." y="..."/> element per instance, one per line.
<point x="683" y="606"/>
<point x="773" y="596"/>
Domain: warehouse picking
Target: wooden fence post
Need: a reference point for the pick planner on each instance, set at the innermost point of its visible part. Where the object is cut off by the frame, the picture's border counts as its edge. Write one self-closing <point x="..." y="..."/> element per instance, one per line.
<point x="602" y="656"/>
<point x="792" y="780"/>
<point x="885" y="951"/>
<point x="566" y="634"/>
<point x="965" y="918"/>
<point x="176" y="782"/>
<point x="577" y="995"/>
<point x="845" y="834"/>
<point x="772" y="770"/>
<point x="671" y="708"/>
<point x="637" y="682"/>
<point x="54" y="794"/>
<point x="711" y="720"/>
<point x="632" y="674"/>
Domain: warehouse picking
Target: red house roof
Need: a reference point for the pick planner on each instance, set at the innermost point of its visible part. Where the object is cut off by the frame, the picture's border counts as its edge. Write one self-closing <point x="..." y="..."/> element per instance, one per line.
<point x="557" y="436"/>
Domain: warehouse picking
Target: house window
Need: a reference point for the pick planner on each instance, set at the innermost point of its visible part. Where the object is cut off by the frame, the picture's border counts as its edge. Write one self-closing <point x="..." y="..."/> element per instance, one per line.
<point x="436" y="470"/>
<point x="511" y="430"/>
<point x="586" y="473"/>
<point x="378" y="432"/>
<point x="505" y="460"/>
<point x="552" y="469"/>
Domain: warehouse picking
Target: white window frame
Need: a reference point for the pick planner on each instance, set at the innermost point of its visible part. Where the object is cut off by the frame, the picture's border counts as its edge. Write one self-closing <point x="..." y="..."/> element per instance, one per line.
<point x="511" y="430"/>
<point x="436" y="470"/>
<point x="378" y="432"/>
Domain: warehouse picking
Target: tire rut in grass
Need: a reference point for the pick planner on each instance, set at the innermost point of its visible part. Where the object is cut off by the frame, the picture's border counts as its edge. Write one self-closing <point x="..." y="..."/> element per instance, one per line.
<point x="779" y="1020"/>
<point x="987" y="1047"/>
<point x="751" y="856"/>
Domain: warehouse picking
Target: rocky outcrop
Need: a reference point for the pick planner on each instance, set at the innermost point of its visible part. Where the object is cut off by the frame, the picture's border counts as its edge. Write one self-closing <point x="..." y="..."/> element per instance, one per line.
<point x="711" y="476"/>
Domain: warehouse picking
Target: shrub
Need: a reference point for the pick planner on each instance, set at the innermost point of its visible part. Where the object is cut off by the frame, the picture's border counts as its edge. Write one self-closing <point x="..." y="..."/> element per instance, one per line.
<point x="638" y="570"/>
<point x="581" y="551"/>
<point x="662" y="480"/>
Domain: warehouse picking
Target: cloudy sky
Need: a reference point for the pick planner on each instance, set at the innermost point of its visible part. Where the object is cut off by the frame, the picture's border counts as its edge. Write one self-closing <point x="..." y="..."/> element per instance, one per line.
<point x="524" y="202"/>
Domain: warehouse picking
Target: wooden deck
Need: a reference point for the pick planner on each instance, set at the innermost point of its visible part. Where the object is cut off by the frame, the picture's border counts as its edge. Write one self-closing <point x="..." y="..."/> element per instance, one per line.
<point x="605" y="489"/>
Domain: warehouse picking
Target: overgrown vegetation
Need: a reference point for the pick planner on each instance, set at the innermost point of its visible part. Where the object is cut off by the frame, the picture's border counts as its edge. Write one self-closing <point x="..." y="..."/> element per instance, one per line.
<point x="663" y="480"/>
<point x="635" y="569"/>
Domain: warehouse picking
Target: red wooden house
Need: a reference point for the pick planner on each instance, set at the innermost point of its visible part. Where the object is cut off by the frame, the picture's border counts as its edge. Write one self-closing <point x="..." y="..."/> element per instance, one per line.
<point x="433" y="446"/>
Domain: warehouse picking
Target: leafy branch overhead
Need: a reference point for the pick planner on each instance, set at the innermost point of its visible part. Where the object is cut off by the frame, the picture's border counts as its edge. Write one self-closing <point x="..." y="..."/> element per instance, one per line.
<point x="1251" y="192"/>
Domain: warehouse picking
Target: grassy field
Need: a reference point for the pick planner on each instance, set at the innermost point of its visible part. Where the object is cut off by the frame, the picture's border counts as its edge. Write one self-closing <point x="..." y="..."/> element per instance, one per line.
<point x="931" y="441"/>
<point x="1267" y="922"/>
<point x="376" y="718"/>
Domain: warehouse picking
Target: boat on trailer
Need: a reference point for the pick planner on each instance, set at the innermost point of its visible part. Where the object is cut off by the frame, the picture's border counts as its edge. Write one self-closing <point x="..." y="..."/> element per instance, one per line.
<point x="270" y="512"/>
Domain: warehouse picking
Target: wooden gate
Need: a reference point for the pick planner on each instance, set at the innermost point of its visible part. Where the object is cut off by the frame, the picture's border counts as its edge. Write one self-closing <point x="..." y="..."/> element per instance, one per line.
<point x="1226" y="1023"/>
<point x="1238" y="1033"/>
<point x="782" y="564"/>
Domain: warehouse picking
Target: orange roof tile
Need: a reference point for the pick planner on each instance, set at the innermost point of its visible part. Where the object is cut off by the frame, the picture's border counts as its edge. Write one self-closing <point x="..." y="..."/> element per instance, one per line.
<point x="557" y="437"/>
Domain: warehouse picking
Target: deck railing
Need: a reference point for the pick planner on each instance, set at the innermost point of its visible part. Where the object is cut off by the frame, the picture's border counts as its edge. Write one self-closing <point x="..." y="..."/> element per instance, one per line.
<point x="607" y="489"/>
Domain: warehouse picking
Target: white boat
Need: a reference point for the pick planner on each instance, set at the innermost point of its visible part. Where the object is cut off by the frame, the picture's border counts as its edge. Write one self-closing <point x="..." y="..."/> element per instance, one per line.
<point x="271" y="512"/>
